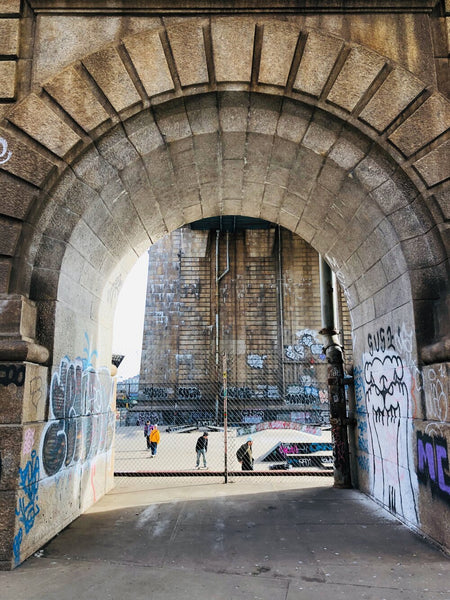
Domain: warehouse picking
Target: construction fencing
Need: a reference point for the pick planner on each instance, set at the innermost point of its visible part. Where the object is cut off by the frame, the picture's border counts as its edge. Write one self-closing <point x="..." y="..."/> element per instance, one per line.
<point x="288" y="423"/>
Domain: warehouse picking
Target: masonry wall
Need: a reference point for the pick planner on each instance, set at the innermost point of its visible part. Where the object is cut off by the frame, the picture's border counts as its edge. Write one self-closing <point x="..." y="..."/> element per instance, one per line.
<point x="265" y="308"/>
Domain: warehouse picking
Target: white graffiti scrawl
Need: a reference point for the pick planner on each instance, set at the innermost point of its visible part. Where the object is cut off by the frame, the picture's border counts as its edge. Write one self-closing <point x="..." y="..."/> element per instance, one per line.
<point x="5" y="154"/>
<point x="388" y="383"/>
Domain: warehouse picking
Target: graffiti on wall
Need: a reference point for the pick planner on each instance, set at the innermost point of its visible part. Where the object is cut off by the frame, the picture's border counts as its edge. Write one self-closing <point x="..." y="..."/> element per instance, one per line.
<point x="27" y="505"/>
<point x="81" y="419"/>
<point x="5" y="154"/>
<point x="433" y="464"/>
<point x="12" y="374"/>
<point x="307" y="346"/>
<point x="256" y="361"/>
<point x="386" y="382"/>
<point x="433" y="460"/>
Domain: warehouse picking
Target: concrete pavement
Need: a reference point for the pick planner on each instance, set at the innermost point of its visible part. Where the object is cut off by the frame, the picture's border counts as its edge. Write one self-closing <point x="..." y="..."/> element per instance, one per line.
<point x="252" y="539"/>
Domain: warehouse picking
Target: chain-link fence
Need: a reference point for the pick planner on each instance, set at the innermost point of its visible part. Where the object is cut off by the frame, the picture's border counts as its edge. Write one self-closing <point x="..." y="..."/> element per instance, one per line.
<point x="159" y="424"/>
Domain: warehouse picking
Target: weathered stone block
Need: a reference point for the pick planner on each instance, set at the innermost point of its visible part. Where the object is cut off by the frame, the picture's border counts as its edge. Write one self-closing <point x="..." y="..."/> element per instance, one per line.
<point x="355" y="77"/>
<point x="17" y="196"/>
<point x="263" y="115"/>
<point x="233" y="37"/>
<point x="9" y="37"/>
<point x="10" y="452"/>
<point x="17" y="317"/>
<point x="423" y="251"/>
<point x="108" y="70"/>
<point x="203" y="114"/>
<point x="9" y="234"/>
<point x="7" y="521"/>
<point x="8" y="7"/>
<point x="374" y="170"/>
<point x="116" y="148"/>
<point x="38" y="120"/>
<point x="7" y="79"/>
<point x="435" y="166"/>
<point x="321" y="134"/>
<point x="143" y="132"/>
<point x="75" y="95"/>
<point x="151" y="65"/>
<point x="362" y="313"/>
<point x="430" y="120"/>
<point x="349" y="149"/>
<point x="319" y="56"/>
<point x="173" y="121"/>
<point x="293" y="121"/>
<point x="21" y="160"/>
<point x="397" y="91"/>
<point x="278" y="47"/>
<point x="188" y="47"/>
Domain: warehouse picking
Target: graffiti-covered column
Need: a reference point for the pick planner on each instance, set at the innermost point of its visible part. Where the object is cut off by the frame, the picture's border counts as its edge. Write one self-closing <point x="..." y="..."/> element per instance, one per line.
<point x="23" y="389"/>
<point x="432" y="449"/>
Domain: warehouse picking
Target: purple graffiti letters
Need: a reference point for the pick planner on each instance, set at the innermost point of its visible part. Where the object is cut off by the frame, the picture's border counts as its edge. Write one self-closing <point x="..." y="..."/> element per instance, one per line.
<point x="433" y="464"/>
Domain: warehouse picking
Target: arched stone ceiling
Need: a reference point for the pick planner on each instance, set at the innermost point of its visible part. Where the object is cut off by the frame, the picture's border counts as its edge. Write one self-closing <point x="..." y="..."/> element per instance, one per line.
<point x="329" y="139"/>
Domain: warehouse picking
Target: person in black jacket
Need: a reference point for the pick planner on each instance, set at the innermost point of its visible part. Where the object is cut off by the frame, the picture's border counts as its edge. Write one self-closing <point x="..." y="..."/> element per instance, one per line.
<point x="201" y="447"/>
<point x="245" y="456"/>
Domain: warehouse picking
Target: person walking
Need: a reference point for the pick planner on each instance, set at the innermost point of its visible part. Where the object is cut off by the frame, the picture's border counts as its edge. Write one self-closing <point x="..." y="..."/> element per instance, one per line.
<point x="154" y="440"/>
<point x="201" y="448"/>
<point x="147" y="431"/>
<point x="245" y="456"/>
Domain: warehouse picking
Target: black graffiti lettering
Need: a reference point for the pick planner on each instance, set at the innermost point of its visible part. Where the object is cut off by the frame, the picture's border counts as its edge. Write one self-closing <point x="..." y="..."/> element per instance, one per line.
<point x="12" y="374"/>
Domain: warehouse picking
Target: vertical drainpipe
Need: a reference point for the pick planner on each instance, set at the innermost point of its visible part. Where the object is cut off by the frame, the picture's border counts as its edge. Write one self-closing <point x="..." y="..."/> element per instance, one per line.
<point x="280" y="298"/>
<point x="336" y="389"/>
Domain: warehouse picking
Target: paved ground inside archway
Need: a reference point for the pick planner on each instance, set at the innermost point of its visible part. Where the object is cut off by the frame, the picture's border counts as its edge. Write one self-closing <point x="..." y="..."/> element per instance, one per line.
<point x="273" y="539"/>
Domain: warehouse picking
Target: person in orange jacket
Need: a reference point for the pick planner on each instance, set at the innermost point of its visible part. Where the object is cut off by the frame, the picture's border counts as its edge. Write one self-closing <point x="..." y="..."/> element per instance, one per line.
<point x="154" y="439"/>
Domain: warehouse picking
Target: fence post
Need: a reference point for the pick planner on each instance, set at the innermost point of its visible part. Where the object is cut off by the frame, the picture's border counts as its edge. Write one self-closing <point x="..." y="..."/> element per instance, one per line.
<point x="225" y="417"/>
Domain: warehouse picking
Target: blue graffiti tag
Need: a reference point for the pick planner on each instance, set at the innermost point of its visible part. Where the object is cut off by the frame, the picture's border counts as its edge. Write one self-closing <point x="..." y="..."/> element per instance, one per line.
<point x="29" y="483"/>
<point x="16" y="545"/>
<point x="90" y="354"/>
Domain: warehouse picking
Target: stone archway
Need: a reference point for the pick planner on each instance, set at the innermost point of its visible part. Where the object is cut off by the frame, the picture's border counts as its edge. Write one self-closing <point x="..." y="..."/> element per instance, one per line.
<point x="329" y="139"/>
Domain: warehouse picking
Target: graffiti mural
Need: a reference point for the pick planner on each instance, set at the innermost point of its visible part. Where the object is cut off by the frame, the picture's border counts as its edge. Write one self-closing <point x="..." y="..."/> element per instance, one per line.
<point x="386" y="436"/>
<point x="433" y="464"/>
<point x="307" y="345"/>
<point x="433" y="461"/>
<point x="81" y="419"/>
<point x="27" y="506"/>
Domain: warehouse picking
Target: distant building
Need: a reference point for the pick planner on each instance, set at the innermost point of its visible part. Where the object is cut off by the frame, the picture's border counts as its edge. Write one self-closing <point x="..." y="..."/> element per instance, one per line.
<point x="246" y="289"/>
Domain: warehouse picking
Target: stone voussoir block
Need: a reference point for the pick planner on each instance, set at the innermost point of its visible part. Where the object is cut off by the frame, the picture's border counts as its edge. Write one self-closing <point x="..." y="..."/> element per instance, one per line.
<point x="318" y="59"/>
<point x="434" y="167"/>
<point x="37" y="119"/>
<point x="75" y="95"/>
<point x="112" y="77"/>
<point x="278" y="48"/>
<point x="429" y="121"/>
<point x="187" y="43"/>
<point x="151" y="65"/>
<point x="354" y="79"/>
<point x="233" y="37"/>
<point x="398" y="90"/>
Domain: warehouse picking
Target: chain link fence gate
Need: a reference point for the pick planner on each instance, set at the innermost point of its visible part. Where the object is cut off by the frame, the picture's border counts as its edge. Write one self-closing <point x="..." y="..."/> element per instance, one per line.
<point x="286" y="416"/>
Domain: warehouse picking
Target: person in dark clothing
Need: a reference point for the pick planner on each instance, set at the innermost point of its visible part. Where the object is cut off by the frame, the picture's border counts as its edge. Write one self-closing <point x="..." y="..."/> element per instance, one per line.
<point x="147" y="431"/>
<point x="201" y="448"/>
<point x="245" y="456"/>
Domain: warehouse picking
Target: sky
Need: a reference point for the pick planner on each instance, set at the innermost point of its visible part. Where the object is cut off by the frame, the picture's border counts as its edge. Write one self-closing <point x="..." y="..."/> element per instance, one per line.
<point x="129" y="319"/>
